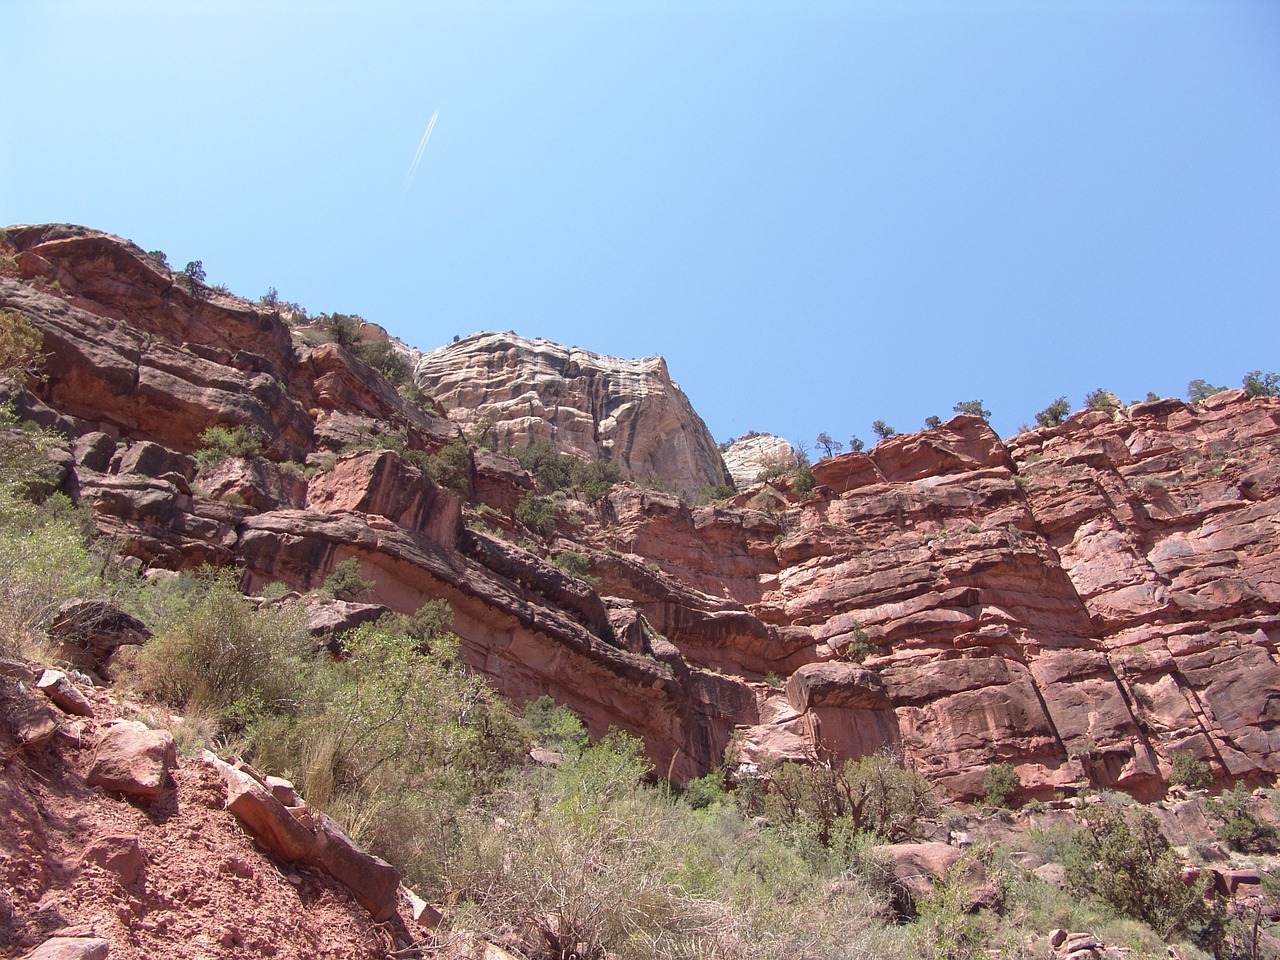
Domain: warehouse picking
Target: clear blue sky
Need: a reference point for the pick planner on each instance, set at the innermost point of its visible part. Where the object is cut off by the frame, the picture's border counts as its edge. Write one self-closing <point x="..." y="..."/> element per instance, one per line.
<point x="820" y="213"/>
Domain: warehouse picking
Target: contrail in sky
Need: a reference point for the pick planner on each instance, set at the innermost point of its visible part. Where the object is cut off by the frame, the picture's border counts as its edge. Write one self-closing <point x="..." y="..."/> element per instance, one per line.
<point x="417" y="157"/>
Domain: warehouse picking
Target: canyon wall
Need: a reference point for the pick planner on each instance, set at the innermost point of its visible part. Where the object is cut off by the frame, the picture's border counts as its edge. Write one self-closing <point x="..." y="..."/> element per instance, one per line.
<point x="1079" y="601"/>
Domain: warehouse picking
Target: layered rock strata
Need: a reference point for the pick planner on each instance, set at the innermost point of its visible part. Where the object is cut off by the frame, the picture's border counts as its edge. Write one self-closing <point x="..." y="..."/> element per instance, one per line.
<point x="599" y="408"/>
<point x="1081" y="601"/>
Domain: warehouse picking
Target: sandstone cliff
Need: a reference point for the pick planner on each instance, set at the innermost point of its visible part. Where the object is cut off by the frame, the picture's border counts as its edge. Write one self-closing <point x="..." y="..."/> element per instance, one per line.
<point x="627" y="411"/>
<point x="1080" y="601"/>
<point x="747" y="457"/>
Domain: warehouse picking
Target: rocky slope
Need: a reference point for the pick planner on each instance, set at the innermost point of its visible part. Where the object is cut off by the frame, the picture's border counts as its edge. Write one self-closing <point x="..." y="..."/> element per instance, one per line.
<point x="600" y="408"/>
<point x="1080" y="601"/>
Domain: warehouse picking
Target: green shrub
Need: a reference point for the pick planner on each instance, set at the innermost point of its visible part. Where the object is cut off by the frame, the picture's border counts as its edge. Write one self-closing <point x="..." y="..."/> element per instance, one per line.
<point x="596" y="478"/>
<point x="715" y="492"/>
<point x="932" y="422"/>
<point x="577" y="564"/>
<point x="1259" y="384"/>
<point x="883" y="430"/>
<point x="20" y="344"/>
<point x="555" y="727"/>
<point x="1000" y="783"/>
<point x="551" y="469"/>
<point x="450" y="466"/>
<point x="1123" y="859"/>
<point x="972" y="408"/>
<point x="386" y="359"/>
<point x="345" y="583"/>
<point x="1198" y="390"/>
<point x="194" y="271"/>
<point x="1241" y="829"/>
<point x="342" y="328"/>
<point x="539" y="514"/>
<point x="835" y="802"/>
<point x="705" y="791"/>
<point x="220" y="443"/>
<point x="220" y="653"/>
<point x="1100" y="400"/>
<point x="804" y="481"/>
<point x="1054" y="414"/>
<point x="1188" y="771"/>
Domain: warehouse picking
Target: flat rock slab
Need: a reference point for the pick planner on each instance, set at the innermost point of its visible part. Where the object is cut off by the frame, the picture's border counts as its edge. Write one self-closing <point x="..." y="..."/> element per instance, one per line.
<point x="71" y="948"/>
<point x="55" y="685"/>
<point x="133" y="759"/>
<point x="371" y="880"/>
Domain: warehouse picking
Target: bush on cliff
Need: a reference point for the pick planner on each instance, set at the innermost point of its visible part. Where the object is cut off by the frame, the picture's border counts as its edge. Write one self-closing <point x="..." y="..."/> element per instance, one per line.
<point x="218" y="443"/>
<point x="1054" y="413"/>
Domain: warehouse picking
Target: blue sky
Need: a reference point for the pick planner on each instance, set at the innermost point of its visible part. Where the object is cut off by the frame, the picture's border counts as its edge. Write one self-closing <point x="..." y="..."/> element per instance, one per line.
<point x="820" y="213"/>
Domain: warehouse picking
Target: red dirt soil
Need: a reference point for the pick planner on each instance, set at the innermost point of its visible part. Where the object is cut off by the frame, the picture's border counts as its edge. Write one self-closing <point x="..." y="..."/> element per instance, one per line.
<point x="204" y="890"/>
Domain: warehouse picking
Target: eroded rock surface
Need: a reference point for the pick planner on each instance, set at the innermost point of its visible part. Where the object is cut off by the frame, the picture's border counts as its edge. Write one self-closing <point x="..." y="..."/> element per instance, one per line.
<point x="1080" y="601"/>
<point x="599" y="408"/>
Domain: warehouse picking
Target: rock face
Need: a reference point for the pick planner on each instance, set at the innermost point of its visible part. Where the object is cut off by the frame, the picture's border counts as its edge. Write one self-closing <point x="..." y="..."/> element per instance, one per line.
<point x="599" y="408"/>
<point x="1081" y="602"/>
<point x="747" y="457"/>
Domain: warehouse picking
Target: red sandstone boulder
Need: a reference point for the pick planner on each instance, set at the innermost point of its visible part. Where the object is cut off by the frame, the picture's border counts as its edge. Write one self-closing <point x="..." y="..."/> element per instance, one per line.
<point x="132" y="759"/>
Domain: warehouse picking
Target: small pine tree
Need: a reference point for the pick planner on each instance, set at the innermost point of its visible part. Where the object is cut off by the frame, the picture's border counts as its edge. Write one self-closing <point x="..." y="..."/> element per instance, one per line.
<point x="829" y="447"/>
<point x="883" y="430"/>
<point x="1054" y="413"/>
<point x="973" y="408"/>
<point x="1259" y="384"/>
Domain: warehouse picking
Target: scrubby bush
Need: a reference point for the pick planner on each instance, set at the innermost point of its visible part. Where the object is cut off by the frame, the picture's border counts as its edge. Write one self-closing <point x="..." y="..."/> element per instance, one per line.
<point x="538" y="513"/>
<point x="342" y="328"/>
<point x="597" y="478"/>
<point x="220" y="443"/>
<point x="1000" y="783"/>
<point x="973" y="408"/>
<point x="713" y="493"/>
<point x="20" y="344"/>
<point x="1241" y="829"/>
<point x="883" y="430"/>
<point x="450" y="466"/>
<point x="833" y="803"/>
<point x="1054" y="414"/>
<point x="1123" y="859"/>
<point x="555" y="726"/>
<point x="345" y="582"/>
<point x="1100" y="400"/>
<point x="932" y="422"/>
<point x="1259" y="384"/>
<point x="551" y="469"/>
<point x="386" y="359"/>
<point x="804" y="480"/>
<point x="1189" y="771"/>
<point x="194" y="271"/>
<point x="576" y="564"/>
<point x="220" y="653"/>
<point x="1198" y="390"/>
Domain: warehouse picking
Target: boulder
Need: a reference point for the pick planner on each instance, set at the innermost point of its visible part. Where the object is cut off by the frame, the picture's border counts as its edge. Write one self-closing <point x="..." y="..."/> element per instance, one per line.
<point x="263" y="817"/>
<point x="55" y="685"/>
<point x="71" y="948"/>
<point x="132" y="759"/>
<point x="119" y="855"/>
<point x="372" y="881"/>
<point x="88" y="632"/>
